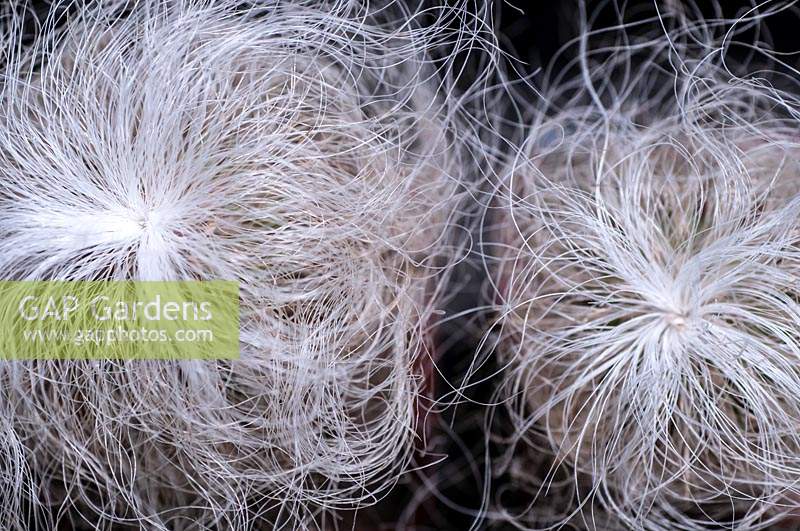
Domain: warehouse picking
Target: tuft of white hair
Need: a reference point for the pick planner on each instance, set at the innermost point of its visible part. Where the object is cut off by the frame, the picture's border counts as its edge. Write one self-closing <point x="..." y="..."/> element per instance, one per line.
<point x="304" y="149"/>
<point x="648" y="283"/>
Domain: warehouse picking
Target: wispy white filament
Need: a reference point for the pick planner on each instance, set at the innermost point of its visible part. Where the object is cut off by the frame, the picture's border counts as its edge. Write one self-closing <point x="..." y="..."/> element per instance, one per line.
<point x="305" y="149"/>
<point x="649" y="283"/>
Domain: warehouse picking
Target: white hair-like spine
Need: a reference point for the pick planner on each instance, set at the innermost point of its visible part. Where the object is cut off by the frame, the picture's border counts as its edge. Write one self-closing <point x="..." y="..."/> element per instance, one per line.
<point x="648" y="280"/>
<point x="308" y="150"/>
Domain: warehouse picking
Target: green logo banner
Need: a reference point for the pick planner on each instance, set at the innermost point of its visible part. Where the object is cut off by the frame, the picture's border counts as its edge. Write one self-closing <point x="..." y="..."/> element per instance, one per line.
<point x="50" y="320"/>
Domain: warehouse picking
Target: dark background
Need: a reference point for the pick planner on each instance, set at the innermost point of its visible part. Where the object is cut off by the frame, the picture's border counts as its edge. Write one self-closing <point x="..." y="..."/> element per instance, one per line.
<point x="449" y="493"/>
<point x="534" y="30"/>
